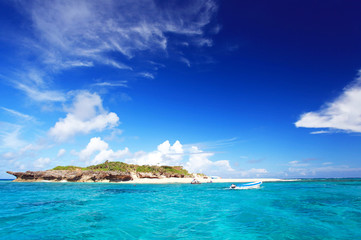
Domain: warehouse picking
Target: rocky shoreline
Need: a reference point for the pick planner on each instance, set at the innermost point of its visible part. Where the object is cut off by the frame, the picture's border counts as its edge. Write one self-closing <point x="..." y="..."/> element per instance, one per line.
<point x="88" y="176"/>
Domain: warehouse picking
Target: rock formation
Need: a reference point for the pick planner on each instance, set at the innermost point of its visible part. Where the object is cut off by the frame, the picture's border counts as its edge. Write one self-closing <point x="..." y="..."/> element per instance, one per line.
<point x="71" y="176"/>
<point x="86" y="176"/>
<point x="104" y="172"/>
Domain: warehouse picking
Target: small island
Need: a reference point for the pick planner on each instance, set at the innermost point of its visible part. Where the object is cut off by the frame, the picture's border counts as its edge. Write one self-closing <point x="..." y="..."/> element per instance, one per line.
<point x="106" y="172"/>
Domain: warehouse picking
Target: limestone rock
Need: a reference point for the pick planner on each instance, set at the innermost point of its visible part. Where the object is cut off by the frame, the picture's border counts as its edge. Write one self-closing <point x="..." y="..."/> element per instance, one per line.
<point x="71" y="176"/>
<point x="148" y="175"/>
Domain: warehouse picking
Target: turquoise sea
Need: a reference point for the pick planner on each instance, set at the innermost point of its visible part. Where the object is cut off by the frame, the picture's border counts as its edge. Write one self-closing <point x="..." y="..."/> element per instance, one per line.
<point x="308" y="209"/>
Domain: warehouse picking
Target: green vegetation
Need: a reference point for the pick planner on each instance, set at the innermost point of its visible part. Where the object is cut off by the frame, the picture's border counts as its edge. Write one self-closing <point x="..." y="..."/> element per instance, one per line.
<point x="163" y="169"/>
<point x="71" y="168"/>
<point x="175" y="169"/>
<point x="113" y="166"/>
<point x="124" y="167"/>
<point x="201" y="174"/>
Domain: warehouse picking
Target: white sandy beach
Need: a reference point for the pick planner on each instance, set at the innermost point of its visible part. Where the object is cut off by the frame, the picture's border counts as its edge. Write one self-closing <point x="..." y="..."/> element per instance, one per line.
<point x="189" y="180"/>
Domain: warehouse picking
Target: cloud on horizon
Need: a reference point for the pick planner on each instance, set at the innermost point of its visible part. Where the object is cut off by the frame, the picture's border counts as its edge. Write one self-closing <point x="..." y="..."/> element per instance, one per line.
<point x="193" y="159"/>
<point x="97" y="151"/>
<point x="199" y="162"/>
<point x="166" y="154"/>
<point x="323" y="171"/>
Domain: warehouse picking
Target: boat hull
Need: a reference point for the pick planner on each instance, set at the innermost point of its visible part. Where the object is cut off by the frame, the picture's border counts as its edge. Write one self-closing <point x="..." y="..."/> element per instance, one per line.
<point x="251" y="185"/>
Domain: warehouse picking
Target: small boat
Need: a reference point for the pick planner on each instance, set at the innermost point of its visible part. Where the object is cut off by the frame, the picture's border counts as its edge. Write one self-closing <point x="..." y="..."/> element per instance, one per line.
<point x="195" y="182"/>
<point x="247" y="185"/>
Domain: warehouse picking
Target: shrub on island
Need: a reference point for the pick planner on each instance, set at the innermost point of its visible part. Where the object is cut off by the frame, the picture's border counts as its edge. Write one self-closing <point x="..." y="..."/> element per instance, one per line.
<point x="124" y="167"/>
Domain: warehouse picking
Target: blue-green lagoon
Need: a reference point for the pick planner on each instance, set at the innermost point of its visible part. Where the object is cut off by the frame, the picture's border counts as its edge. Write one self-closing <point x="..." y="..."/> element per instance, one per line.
<point x="317" y="209"/>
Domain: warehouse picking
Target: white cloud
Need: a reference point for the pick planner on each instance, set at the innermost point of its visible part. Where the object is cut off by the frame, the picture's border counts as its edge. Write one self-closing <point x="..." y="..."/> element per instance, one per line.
<point x="298" y="171"/>
<point x="298" y="164"/>
<point x="324" y="171"/>
<point x="41" y="162"/>
<point x="191" y="158"/>
<point x="61" y="153"/>
<point x="199" y="162"/>
<point x="166" y="154"/>
<point x="95" y="144"/>
<point x="254" y="172"/>
<point x="86" y="33"/>
<point x="114" y="134"/>
<point x="20" y="165"/>
<point x="18" y="114"/>
<point x="85" y="115"/>
<point x="341" y="169"/>
<point x="320" y="132"/>
<point x="35" y="85"/>
<point x="24" y="152"/>
<point x="344" y="113"/>
<point x="77" y="63"/>
<point x="79" y="33"/>
<point x="40" y="94"/>
<point x="97" y="151"/>
<point x="125" y="97"/>
<point x="15" y="166"/>
<point x="111" y="84"/>
<point x="215" y="144"/>
<point x="10" y="136"/>
<point x="205" y="42"/>
<point x="147" y="75"/>
<point x="186" y="61"/>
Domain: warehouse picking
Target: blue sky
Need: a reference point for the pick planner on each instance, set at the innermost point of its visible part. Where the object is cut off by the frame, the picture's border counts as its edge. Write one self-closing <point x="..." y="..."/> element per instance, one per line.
<point x="228" y="88"/>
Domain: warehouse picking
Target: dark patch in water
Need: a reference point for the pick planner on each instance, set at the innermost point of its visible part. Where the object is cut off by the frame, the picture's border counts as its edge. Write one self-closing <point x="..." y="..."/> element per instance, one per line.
<point x="43" y="203"/>
<point x="118" y="191"/>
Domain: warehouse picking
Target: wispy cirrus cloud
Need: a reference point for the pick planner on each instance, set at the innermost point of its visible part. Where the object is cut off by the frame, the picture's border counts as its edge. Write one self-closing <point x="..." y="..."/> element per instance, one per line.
<point x="10" y="136"/>
<point x="312" y="167"/>
<point x="253" y="172"/>
<point x="41" y="94"/>
<point x="147" y="75"/>
<point x="341" y="114"/>
<point x="18" y="114"/>
<point x="34" y="83"/>
<point x="111" y="84"/>
<point x="253" y="161"/>
<point x="324" y="171"/>
<point x="185" y="61"/>
<point x="327" y="163"/>
<point x="82" y="33"/>
<point x="215" y="144"/>
<point x="62" y="35"/>
<point x="298" y="164"/>
<point x="61" y="153"/>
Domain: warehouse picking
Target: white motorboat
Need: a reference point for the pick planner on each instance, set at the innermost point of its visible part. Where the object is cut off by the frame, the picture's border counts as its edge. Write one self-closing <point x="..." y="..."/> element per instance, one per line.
<point x="247" y="185"/>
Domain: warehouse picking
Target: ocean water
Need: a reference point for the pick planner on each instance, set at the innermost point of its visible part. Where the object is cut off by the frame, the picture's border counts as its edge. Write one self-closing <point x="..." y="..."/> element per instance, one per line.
<point x="323" y="209"/>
